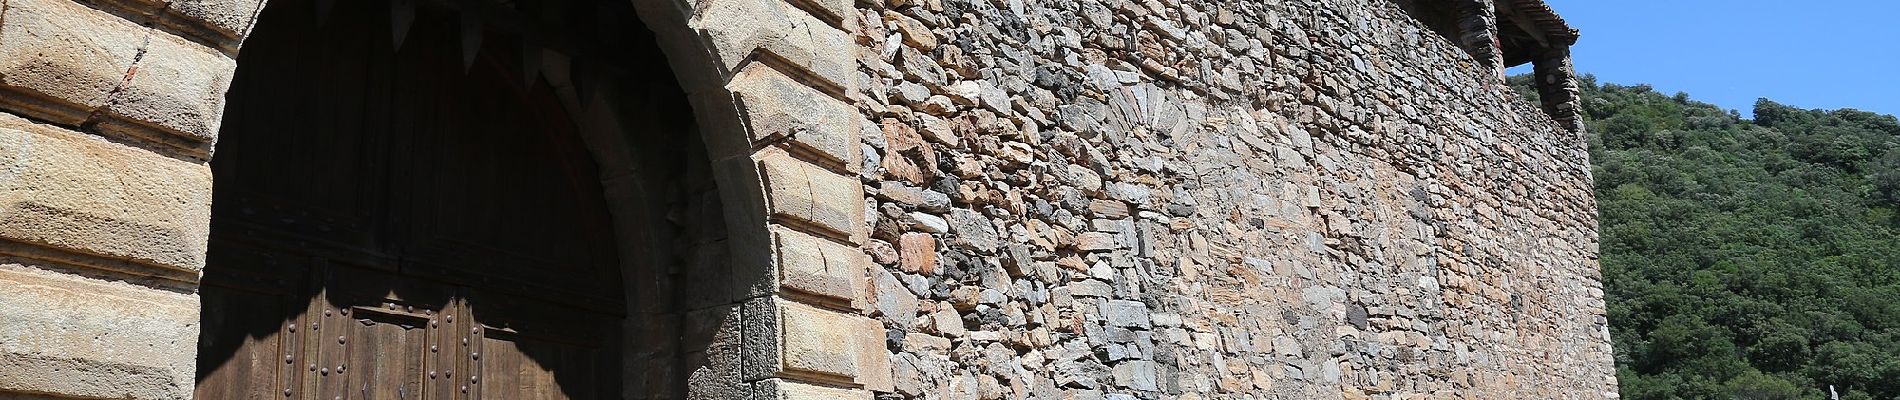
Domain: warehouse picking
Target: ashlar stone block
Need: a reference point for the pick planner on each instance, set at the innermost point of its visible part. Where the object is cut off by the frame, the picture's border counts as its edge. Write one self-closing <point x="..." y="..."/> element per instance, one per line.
<point x="806" y="193"/>
<point x="843" y="12"/>
<point x="229" y="18"/>
<point x="67" y="190"/>
<point x="786" y="339"/>
<point x="60" y="60"/>
<point x="874" y="361"/>
<point x="177" y="89"/>
<point x="818" y="341"/>
<point x="781" y="108"/>
<point x="782" y="389"/>
<point x="85" y="338"/>
<point x="820" y="267"/>
<point x="739" y="28"/>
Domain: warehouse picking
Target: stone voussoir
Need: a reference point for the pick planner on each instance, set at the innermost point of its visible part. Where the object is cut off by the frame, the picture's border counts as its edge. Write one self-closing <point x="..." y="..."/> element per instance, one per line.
<point x="220" y="24"/>
<point x="740" y="29"/>
<point x="228" y="20"/>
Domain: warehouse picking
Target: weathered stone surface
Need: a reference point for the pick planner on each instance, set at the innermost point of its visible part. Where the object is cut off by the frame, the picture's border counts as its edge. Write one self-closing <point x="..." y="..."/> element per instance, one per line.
<point x="93" y="338"/>
<point x="1095" y="241"/>
<point x="930" y="223"/>
<point x="60" y="60"/>
<point x="895" y="302"/>
<point x="819" y="266"/>
<point x="840" y="12"/>
<point x="229" y="18"/>
<point x="782" y="389"/>
<point x="177" y="89"/>
<point x="780" y="108"/>
<point x="947" y="321"/>
<point x="881" y="252"/>
<point x="1203" y="199"/>
<point x="1109" y="209"/>
<point x="718" y="335"/>
<point x="915" y="33"/>
<point x="974" y="230"/>
<point x="81" y="193"/>
<point x="874" y="361"/>
<point x="807" y="193"/>
<point x="1126" y="314"/>
<point x="817" y="341"/>
<point x="1137" y="375"/>
<point x="1074" y="200"/>
<point x="737" y="28"/>
<point x="907" y="156"/>
<point x="917" y="253"/>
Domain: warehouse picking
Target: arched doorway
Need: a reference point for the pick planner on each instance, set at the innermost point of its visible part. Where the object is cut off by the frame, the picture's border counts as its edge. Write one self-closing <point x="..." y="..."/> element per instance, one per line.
<point x="406" y="209"/>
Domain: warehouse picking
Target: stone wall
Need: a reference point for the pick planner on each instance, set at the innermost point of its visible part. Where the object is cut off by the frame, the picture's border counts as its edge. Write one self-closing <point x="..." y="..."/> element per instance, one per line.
<point x="104" y="198"/>
<point x="944" y="199"/>
<point x="1203" y="199"/>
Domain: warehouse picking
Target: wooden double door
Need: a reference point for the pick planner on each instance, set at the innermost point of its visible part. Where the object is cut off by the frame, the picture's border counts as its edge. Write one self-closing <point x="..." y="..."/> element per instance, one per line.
<point x="395" y="224"/>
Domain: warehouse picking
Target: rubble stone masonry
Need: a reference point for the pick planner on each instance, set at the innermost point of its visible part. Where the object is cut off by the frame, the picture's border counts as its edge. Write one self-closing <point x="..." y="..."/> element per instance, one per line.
<point x="1207" y="199"/>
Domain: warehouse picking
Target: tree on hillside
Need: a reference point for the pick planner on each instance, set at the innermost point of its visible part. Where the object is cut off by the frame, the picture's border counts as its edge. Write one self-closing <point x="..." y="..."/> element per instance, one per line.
<point x="1746" y="259"/>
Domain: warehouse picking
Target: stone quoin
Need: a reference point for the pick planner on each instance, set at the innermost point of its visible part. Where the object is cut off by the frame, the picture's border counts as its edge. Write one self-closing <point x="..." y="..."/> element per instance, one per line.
<point x="794" y="199"/>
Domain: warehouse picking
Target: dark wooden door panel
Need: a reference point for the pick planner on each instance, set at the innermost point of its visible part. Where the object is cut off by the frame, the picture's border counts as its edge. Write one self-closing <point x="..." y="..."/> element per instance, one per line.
<point x="514" y="367"/>
<point x="374" y="356"/>
<point x="382" y="217"/>
<point x="246" y="345"/>
<point x="383" y="336"/>
<point x="306" y="122"/>
<point x="494" y="183"/>
<point x="250" y="346"/>
<point x="531" y="349"/>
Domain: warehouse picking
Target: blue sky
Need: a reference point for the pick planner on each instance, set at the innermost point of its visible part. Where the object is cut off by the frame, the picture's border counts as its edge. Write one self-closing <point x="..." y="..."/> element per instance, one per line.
<point x="1810" y="54"/>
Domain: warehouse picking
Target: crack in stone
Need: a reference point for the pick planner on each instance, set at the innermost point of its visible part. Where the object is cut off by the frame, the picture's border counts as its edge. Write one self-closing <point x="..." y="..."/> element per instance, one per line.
<point x="97" y="114"/>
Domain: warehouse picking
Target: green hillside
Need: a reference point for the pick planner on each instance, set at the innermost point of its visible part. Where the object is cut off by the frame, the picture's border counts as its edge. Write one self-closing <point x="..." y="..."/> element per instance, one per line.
<point x="1747" y="259"/>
